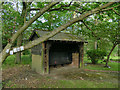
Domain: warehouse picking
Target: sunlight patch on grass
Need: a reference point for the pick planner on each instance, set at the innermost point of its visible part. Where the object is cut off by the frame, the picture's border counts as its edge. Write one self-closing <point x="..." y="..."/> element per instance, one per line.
<point x="113" y="66"/>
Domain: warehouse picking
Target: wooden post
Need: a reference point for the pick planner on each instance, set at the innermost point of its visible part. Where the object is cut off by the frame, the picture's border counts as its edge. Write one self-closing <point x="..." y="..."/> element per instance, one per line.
<point x="42" y="59"/>
<point x="45" y="57"/>
<point x="81" y="54"/>
<point x="75" y="59"/>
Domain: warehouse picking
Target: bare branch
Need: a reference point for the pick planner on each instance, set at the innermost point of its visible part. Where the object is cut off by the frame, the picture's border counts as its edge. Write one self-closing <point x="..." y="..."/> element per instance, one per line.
<point x="64" y="26"/>
<point x="89" y="28"/>
<point x="29" y="3"/>
<point x="67" y="5"/>
<point x="3" y="54"/>
<point x="60" y="8"/>
<point x="116" y="12"/>
<point x="35" y="9"/>
<point x="110" y="8"/>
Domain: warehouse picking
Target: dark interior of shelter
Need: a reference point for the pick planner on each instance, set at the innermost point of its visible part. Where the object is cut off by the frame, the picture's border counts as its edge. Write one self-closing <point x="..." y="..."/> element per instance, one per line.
<point x="61" y="52"/>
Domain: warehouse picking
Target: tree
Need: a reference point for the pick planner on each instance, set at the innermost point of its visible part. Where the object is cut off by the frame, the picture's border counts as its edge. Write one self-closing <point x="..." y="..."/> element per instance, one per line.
<point x="106" y="29"/>
<point x="119" y="33"/>
<point x="57" y="30"/>
<point x="9" y="25"/>
<point x="19" y="39"/>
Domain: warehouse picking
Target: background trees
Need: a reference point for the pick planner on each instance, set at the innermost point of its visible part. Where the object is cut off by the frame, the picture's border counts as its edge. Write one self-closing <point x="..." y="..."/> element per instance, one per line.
<point x="57" y="16"/>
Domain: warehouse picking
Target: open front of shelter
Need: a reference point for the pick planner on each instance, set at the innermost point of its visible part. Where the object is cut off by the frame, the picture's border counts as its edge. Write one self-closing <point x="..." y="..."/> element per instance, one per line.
<point x="61" y="49"/>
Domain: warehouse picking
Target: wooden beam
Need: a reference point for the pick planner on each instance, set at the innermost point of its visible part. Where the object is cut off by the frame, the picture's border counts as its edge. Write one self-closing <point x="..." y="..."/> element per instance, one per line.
<point x="81" y="54"/>
<point x="47" y="58"/>
<point x="46" y="47"/>
<point x="42" y="59"/>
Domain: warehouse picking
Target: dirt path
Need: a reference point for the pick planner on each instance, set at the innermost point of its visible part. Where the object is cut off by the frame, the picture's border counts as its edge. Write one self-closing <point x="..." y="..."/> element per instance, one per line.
<point x="22" y="76"/>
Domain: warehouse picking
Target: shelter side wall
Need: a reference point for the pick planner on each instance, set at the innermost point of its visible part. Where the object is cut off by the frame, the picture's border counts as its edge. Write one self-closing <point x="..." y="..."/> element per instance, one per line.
<point x="37" y="57"/>
<point x="36" y="63"/>
<point x="36" y="49"/>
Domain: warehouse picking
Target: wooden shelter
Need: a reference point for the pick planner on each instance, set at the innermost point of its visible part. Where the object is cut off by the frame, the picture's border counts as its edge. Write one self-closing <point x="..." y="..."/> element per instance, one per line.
<point x="62" y="48"/>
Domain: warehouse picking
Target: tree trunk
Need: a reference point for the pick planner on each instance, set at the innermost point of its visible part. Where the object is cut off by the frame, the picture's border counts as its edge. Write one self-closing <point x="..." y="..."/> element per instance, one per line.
<point x="3" y="54"/>
<point x="114" y="45"/>
<point x="119" y="33"/>
<point x="38" y="41"/>
<point x="119" y="50"/>
<point x="19" y="39"/>
<point x="18" y="54"/>
<point x="95" y="44"/>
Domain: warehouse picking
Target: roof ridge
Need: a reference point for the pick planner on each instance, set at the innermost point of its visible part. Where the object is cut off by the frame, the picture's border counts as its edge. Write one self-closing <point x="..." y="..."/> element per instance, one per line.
<point x="50" y="31"/>
<point x="41" y="30"/>
<point x="63" y="36"/>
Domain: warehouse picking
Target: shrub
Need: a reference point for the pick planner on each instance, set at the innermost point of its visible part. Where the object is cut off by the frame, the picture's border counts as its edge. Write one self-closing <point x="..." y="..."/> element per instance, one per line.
<point x="95" y="55"/>
<point x="26" y="52"/>
<point x="26" y="59"/>
<point x="10" y="60"/>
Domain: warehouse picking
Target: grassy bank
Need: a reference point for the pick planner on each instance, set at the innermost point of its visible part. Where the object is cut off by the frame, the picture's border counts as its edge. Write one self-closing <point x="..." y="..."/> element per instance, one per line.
<point x="10" y="61"/>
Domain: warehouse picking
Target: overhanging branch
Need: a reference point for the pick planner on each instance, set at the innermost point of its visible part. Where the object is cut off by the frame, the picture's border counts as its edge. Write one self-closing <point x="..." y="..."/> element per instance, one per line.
<point x="53" y="9"/>
<point x="3" y="55"/>
<point x="64" y="26"/>
<point x="89" y="29"/>
<point x="116" y="12"/>
<point x="110" y="8"/>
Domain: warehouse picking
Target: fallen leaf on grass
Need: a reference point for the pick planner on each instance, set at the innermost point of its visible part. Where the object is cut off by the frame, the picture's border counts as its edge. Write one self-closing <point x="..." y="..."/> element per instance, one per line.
<point x="81" y="78"/>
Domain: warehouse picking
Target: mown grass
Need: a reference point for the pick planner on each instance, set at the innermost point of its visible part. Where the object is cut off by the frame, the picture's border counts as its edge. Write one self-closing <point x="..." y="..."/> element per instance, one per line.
<point x="85" y="84"/>
<point x="91" y="81"/>
<point x="79" y="84"/>
<point x="70" y="79"/>
<point x="114" y="66"/>
<point x="113" y="57"/>
<point x="51" y="83"/>
<point x="26" y="59"/>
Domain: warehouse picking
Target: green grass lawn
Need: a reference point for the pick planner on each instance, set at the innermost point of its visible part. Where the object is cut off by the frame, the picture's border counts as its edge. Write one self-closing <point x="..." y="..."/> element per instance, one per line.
<point x="114" y="66"/>
<point x="91" y="79"/>
<point x="26" y="59"/>
<point x="113" y="57"/>
<point x="79" y="84"/>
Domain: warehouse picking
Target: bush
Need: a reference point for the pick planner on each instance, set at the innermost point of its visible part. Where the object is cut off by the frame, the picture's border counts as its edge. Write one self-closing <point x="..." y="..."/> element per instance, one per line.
<point x="26" y="59"/>
<point x="26" y="52"/>
<point x="10" y="60"/>
<point x="95" y="55"/>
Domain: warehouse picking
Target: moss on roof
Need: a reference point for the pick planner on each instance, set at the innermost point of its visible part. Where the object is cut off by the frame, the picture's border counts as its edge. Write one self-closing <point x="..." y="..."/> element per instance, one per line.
<point x="60" y="36"/>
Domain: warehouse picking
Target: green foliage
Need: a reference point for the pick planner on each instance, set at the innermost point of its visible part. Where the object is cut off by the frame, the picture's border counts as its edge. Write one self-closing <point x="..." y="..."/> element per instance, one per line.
<point x="26" y="59"/>
<point x="10" y="21"/>
<point x="95" y="55"/>
<point x="114" y="66"/>
<point x="10" y="61"/>
<point x="26" y="52"/>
